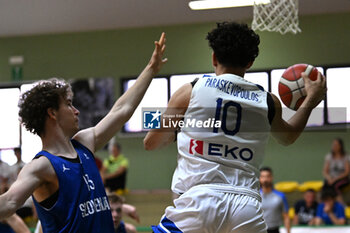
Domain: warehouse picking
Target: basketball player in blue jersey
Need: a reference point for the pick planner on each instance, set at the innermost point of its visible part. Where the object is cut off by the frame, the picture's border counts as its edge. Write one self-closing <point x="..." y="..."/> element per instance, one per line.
<point x="63" y="178"/>
<point x="217" y="173"/>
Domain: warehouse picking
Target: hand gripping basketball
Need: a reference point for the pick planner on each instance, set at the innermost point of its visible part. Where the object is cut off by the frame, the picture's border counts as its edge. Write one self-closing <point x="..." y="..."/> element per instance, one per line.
<point x="301" y="81"/>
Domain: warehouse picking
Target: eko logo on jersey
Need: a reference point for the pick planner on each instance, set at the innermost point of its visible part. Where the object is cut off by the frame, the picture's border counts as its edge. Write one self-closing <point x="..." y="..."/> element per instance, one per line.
<point x="196" y="146"/>
<point x="199" y="147"/>
<point x="151" y="119"/>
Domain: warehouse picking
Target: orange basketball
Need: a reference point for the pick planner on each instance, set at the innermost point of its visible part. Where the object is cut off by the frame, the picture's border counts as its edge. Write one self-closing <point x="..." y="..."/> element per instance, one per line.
<point x="291" y="86"/>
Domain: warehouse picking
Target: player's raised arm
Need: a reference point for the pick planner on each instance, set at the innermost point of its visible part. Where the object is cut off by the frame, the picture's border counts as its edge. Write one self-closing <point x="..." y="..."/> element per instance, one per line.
<point x="286" y="132"/>
<point x="96" y="137"/>
<point x="178" y="103"/>
<point x="32" y="175"/>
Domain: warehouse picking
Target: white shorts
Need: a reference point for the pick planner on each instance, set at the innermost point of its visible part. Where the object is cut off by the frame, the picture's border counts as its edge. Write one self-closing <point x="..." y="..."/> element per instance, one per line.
<point x="204" y="210"/>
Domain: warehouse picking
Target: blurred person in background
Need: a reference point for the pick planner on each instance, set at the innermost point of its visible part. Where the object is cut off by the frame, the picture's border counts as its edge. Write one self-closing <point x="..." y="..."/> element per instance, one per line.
<point x="26" y="211"/>
<point x="305" y="209"/>
<point x="118" y="208"/>
<point x="330" y="212"/>
<point x="17" y="167"/>
<point x="115" y="168"/>
<point x="274" y="203"/>
<point x="5" y="176"/>
<point x="336" y="168"/>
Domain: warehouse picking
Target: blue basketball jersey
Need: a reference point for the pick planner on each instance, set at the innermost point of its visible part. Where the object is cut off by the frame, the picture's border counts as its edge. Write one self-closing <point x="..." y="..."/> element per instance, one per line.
<point x="4" y="228"/>
<point x="82" y="204"/>
<point x="121" y="228"/>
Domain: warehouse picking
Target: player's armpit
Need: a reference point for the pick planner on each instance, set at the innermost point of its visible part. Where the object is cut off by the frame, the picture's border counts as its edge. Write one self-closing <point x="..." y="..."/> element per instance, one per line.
<point x="87" y="138"/>
<point x="177" y="106"/>
<point x="29" y="179"/>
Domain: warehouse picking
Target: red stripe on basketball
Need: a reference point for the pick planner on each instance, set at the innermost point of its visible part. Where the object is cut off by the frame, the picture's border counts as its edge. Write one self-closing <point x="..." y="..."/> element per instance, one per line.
<point x="288" y="74"/>
<point x="285" y="94"/>
<point x="283" y="89"/>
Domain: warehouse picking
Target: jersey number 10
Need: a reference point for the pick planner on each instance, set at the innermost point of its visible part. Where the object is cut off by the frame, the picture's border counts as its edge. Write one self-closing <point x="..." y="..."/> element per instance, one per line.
<point x="223" y="118"/>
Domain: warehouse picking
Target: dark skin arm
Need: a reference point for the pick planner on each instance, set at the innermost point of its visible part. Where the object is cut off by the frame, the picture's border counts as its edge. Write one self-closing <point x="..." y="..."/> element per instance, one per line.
<point x="286" y="132"/>
<point x="178" y="104"/>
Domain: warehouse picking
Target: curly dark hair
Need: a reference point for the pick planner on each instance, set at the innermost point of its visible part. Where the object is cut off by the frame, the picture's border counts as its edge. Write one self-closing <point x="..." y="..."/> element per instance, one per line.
<point x="33" y="104"/>
<point x="234" y="44"/>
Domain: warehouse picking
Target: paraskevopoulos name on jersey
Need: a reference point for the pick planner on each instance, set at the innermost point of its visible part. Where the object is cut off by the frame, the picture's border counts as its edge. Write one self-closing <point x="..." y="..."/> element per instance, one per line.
<point x="232" y="89"/>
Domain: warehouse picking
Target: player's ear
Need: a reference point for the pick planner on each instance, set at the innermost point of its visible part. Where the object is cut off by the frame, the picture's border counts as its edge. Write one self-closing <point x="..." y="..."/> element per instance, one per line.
<point x="214" y="59"/>
<point x="52" y="113"/>
<point x="249" y="64"/>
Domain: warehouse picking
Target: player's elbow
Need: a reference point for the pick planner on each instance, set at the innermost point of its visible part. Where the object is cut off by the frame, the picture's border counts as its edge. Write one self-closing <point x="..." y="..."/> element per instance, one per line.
<point x="284" y="138"/>
<point x="288" y="141"/>
<point x="10" y="208"/>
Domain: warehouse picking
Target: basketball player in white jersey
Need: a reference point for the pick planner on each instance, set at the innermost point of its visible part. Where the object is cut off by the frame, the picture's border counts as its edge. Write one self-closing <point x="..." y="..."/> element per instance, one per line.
<point x="217" y="173"/>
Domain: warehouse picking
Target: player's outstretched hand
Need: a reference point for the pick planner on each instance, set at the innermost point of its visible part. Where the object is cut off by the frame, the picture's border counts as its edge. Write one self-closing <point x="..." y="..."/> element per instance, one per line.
<point x="157" y="59"/>
<point x="315" y="90"/>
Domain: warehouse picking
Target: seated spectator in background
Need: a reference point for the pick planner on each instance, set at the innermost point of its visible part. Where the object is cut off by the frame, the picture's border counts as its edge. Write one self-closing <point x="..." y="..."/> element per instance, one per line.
<point x="13" y="224"/>
<point x="336" y="168"/>
<point x="305" y="210"/>
<point x="330" y="212"/>
<point x="274" y="203"/>
<point x="115" y="168"/>
<point x="118" y="208"/>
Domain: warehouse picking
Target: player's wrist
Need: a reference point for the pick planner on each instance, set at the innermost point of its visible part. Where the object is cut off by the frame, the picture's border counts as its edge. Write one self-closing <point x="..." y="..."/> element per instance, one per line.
<point x="152" y="68"/>
<point x="310" y="102"/>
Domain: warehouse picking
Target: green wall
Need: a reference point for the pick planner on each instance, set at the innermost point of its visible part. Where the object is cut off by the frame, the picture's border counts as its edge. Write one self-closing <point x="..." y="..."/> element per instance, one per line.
<point x="121" y="53"/>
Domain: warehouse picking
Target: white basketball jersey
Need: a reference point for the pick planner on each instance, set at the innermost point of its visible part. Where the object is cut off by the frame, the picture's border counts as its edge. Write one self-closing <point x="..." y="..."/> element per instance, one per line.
<point x="226" y="155"/>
